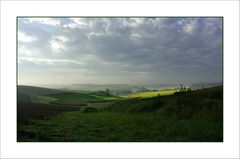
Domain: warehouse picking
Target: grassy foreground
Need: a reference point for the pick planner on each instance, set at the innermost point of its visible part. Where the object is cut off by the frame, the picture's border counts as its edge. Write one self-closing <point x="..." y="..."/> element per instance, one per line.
<point x="187" y="117"/>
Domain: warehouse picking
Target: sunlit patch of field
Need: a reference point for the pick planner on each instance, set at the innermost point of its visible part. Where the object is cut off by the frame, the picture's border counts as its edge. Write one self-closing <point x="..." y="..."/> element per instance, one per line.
<point x="153" y="93"/>
<point x="42" y="99"/>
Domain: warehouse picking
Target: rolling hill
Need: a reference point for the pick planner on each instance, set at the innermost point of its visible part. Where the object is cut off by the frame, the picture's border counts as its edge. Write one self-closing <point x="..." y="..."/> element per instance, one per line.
<point x="38" y="102"/>
<point x="32" y="90"/>
<point x="192" y="116"/>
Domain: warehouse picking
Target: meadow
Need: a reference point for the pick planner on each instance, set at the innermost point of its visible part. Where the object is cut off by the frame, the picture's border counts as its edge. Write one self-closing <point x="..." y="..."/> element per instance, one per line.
<point x="150" y="94"/>
<point x="154" y="116"/>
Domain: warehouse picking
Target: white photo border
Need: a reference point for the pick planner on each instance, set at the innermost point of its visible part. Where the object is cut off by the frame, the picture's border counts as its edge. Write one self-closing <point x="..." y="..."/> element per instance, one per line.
<point x="229" y="10"/>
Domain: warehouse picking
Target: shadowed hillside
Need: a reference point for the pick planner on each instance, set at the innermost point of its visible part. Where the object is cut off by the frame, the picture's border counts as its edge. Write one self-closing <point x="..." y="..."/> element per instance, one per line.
<point x="32" y="90"/>
<point x="184" y="116"/>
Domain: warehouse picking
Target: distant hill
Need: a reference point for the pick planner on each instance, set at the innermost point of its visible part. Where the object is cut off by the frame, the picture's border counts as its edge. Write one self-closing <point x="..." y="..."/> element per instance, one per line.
<point x="123" y="89"/>
<point x="204" y="85"/>
<point x="32" y="90"/>
<point x="98" y="87"/>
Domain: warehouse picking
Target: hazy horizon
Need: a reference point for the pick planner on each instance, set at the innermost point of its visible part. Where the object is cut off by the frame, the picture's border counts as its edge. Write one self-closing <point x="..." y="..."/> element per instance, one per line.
<point x="134" y="51"/>
<point x="102" y="84"/>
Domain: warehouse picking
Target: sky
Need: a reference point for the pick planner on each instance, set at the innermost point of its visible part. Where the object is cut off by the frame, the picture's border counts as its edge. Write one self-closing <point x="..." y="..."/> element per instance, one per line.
<point x="149" y="50"/>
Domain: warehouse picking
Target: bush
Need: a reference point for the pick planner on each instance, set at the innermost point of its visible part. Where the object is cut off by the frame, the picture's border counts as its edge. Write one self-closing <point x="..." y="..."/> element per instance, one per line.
<point x="90" y="110"/>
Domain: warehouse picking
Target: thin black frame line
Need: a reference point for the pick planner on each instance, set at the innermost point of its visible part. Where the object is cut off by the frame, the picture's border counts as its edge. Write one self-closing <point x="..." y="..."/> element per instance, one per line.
<point x="124" y="17"/>
<point x="223" y="71"/>
<point x="17" y="74"/>
<point x="0" y="81"/>
<point x="119" y="16"/>
<point x="128" y="0"/>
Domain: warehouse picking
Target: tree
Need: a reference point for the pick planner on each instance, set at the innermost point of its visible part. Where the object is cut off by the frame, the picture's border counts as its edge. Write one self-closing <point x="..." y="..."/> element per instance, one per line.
<point x="107" y="92"/>
<point x="182" y="88"/>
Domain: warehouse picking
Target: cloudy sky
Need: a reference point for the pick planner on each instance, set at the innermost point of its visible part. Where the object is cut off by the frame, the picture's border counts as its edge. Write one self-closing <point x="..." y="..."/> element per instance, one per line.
<point x="119" y="50"/>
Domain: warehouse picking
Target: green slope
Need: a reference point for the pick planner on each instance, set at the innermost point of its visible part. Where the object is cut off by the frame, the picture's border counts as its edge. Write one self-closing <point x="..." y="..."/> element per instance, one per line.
<point x="195" y="116"/>
<point x="48" y="96"/>
<point x="81" y="98"/>
<point x="42" y="99"/>
<point x="150" y="94"/>
<point x="72" y="98"/>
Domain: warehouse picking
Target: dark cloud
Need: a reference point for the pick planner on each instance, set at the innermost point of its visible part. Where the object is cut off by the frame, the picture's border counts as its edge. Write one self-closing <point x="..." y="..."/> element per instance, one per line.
<point x="154" y="49"/>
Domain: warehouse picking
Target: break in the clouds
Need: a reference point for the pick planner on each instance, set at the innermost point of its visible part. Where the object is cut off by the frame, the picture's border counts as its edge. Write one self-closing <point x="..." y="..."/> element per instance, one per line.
<point x="119" y="50"/>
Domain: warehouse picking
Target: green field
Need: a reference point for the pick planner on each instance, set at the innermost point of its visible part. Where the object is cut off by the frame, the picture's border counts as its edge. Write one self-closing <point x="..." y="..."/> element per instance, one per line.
<point x="80" y="98"/>
<point x="150" y="94"/>
<point x="48" y="96"/>
<point x="72" y="98"/>
<point x="194" y="116"/>
<point x="42" y="99"/>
